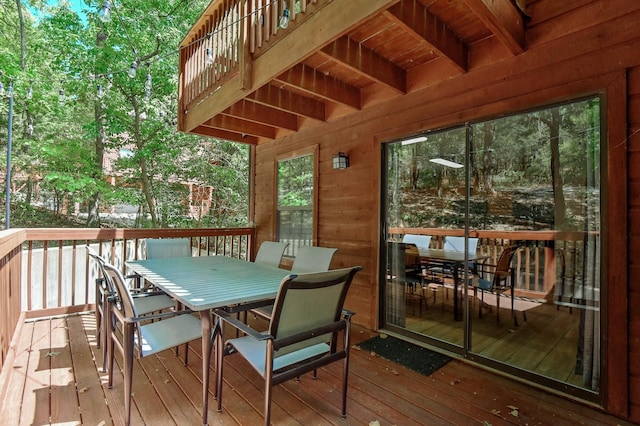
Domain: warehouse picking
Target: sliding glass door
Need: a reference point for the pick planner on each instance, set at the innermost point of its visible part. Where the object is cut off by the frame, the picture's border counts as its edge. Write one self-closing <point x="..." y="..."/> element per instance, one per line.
<point x="518" y="199"/>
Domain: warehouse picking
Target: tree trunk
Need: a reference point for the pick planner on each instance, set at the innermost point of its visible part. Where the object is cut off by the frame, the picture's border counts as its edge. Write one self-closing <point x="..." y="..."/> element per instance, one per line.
<point x="142" y="162"/>
<point x="556" y="176"/>
<point x="93" y="216"/>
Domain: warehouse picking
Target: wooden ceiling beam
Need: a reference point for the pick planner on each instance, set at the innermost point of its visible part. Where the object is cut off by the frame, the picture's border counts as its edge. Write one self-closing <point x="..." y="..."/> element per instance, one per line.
<point x="367" y="63"/>
<point x="284" y="100"/>
<point x="235" y="124"/>
<point x="424" y="26"/>
<point x="257" y="113"/>
<point x="504" y="21"/>
<point x="224" y="134"/>
<point x="326" y="87"/>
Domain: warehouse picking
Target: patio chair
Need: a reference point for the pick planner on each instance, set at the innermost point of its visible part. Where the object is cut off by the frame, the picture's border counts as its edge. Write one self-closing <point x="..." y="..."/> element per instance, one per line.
<point x="168" y="247"/>
<point x="306" y="324"/>
<point x="503" y="280"/>
<point x="145" y="302"/>
<point x="270" y="253"/>
<point x="308" y="259"/>
<point x="132" y="333"/>
<point x="313" y="259"/>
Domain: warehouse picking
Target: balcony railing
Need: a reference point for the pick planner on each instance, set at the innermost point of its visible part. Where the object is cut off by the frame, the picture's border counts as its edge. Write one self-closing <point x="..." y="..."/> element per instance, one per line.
<point x="228" y="37"/>
<point x="48" y="272"/>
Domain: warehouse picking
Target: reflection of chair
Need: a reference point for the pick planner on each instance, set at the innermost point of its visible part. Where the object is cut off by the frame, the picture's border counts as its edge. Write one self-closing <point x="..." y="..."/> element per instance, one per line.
<point x="455" y="244"/>
<point x="403" y="281"/>
<point x="307" y="321"/>
<point x="421" y="241"/>
<point x="168" y="247"/>
<point x="145" y="302"/>
<point x="270" y="253"/>
<point x="503" y="280"/>
<point x="308" y="259"/>
<point x="130" y="336"/>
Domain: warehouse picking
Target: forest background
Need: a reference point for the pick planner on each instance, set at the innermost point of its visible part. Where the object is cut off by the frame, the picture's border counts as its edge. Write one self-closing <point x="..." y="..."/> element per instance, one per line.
<point x="77" y="103"/>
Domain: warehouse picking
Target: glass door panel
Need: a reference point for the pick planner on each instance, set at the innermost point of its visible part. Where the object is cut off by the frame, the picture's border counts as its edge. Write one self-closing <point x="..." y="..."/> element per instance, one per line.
<point x="425" y="180"/>
<point x="521" y="196"/>
<point x="538" y="174"/>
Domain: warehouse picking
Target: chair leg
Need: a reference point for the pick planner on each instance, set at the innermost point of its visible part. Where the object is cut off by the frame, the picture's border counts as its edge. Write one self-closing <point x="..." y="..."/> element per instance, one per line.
<point x="345" y="372"/>
<point x="105" y="330"/>
<point x="128" y="370"/>
<point x="268" y="388"/>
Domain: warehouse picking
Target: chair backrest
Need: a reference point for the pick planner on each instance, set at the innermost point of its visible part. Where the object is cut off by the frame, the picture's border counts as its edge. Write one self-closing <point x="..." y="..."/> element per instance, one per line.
<point x="124" y="301"/>
<point x="107" y="284"/>
<point x="457" y="244"/>
<point x="313" y="259"/>
<point x="270" y="253"/>
<point x="421" y="241"/>
<point x="503" y="266"/>
<point x="168" y="247"/>
<point x="306" y="302"/>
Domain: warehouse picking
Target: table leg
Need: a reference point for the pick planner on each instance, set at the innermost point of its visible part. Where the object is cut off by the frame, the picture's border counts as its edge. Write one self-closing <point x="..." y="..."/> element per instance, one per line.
<point x="456" y="281"/>
<point x="205" y="319"/>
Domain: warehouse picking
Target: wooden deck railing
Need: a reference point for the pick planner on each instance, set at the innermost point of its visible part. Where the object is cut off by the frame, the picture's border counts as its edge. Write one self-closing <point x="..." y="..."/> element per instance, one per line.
<point x="48" y="270"/>
<point x="229" y="35"/>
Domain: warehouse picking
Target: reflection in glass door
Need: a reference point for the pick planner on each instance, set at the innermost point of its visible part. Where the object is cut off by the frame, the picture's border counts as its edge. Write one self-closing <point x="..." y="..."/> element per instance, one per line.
<point x="519" y="199"/>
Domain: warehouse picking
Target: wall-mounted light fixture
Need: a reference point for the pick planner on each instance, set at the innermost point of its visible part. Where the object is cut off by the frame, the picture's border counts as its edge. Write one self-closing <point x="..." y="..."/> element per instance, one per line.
<point x="340" y="161"/>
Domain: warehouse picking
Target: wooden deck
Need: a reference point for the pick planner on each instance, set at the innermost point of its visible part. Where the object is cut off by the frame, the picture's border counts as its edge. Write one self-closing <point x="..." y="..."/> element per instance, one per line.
<point x="55" y="380"/>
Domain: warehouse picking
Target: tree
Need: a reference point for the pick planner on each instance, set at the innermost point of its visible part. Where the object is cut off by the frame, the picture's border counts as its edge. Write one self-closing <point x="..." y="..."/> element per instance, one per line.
<point x="64" y="144"/>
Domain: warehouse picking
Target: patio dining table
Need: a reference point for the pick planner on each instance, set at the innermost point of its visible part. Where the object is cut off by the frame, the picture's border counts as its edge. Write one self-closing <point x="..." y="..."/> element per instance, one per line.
<point x="210" y="282"/>
<point x="449" y="258"/>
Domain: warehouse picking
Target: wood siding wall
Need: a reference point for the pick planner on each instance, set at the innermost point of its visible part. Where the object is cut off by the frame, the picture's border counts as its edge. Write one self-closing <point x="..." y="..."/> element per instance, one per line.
<point x="574" y="48"/>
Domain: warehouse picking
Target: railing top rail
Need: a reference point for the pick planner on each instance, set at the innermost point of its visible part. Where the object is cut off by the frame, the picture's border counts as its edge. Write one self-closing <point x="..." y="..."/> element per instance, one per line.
<point x="548" y="235"/>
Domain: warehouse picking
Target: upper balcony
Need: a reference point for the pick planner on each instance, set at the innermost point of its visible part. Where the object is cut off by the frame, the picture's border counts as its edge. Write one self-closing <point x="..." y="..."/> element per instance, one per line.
<point x="256" y="70"/>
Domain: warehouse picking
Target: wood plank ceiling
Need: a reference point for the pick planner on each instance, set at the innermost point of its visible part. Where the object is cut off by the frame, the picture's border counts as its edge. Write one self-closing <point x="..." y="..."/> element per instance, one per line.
<point x="408" y="46"/>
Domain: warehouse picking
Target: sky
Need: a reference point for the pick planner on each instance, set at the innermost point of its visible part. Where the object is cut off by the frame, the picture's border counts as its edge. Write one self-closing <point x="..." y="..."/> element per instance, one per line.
<point x="76" y="5"/>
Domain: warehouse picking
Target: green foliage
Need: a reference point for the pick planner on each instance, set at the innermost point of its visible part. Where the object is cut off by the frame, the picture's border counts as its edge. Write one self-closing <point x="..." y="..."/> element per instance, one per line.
<point x="61" y="145"/>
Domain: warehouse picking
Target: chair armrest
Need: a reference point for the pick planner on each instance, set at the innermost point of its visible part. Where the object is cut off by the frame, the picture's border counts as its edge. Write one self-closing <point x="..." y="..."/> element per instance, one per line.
<point x="225" y="316"/>
<point x="159" y="316"/>
<point x="347" y="314"/>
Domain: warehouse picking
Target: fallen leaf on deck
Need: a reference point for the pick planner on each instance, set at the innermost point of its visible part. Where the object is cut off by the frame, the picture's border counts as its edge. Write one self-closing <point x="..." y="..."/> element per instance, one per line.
<point x="83" y="390"/>
<point x="374" y="423"/>
<point x="167" y="381"/>
<point x="53" y="353"/>
<point x="496" y="412"/>
<point x="102" y="423"/>
<point x="383" y="336"/>
<point x="486" y="423"/>
<point x="455" y="382"/>
<point x="356" y="347"/>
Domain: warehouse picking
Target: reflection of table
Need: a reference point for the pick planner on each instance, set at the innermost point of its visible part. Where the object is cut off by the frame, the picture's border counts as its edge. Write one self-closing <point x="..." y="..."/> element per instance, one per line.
<point x="451" y="258"/>
<point x="210" y="282"/>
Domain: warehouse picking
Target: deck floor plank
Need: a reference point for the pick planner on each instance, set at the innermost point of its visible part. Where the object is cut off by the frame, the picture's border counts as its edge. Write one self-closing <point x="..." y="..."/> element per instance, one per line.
<point x="17" y="377"/>
<point x="93" y="407"/>
<point x="167" y="392"/>
<point x="63" y="384"/>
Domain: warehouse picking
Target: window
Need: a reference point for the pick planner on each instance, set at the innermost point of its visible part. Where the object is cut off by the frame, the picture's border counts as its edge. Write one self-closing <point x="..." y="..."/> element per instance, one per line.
<point x="295" y="207"/>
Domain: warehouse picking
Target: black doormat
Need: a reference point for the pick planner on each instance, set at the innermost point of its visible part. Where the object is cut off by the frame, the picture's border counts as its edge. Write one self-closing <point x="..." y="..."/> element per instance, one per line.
<point x="416" y="358"/>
